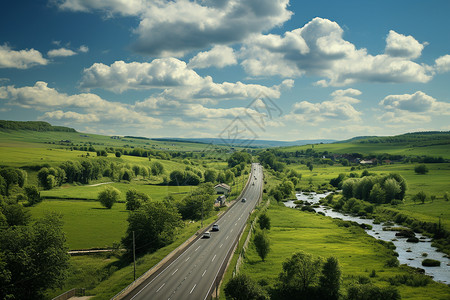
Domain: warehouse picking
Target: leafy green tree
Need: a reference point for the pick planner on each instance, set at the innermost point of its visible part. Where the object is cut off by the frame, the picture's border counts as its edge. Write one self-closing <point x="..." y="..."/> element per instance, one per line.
<point x="446" y="196"/>
<point x="262" y="244"/>
<point x="239" y="157"/>
<point x="300" y="274"/>
<point x="229" y="176"/>
<point x="136" y="199"/>
<point x="392" y="189"/>
<point x="33" y="195"/>
<point x="154" y="225"/>
<point x="3" y="187"/>
<point x="210" y="175"/>
<point x="108" y="196"/>
<point x="372" y="292"/>
<point x="286" y="188"/>
<point x="118" y="154"/>
<point x="200" y="201"/>
<point x="33" y="258"/>
<point x="264" y="221"/>
<point x="421" y="196"/>
<point x="330" y="280"/>
<point x="377" y="194"/>
<point x="126" y="174"/>
<point x="421" y="169"/>
<point x="242" y="287"/>
<point x="15" y="214"/>
<point x="157" y="168"/>
<point x="10" y="176"/>
<point x="348" y="186"/>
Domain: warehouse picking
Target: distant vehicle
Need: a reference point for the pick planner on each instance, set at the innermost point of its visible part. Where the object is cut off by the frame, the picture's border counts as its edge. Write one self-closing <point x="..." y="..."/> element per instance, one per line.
<point x="215" y="227"/>
<point x="253" y="183"/>
<point x="243" y="200"/>
<point x="206" y="235"/>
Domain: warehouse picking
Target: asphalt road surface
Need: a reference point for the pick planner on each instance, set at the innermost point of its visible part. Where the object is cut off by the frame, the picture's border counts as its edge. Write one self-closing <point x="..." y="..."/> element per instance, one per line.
<point x="192" y="274"/>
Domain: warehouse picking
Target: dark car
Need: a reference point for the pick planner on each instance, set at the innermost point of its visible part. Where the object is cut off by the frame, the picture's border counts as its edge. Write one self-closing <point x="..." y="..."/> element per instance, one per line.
<point x="244" y="200"/>
<point x="215" y="227"/>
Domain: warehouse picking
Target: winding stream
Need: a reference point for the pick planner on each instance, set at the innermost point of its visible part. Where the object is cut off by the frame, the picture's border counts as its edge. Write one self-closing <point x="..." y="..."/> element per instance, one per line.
<point x="408" y="253"/>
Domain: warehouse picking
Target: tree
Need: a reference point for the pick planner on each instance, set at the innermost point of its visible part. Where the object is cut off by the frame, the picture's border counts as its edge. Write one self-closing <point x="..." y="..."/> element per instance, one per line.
<point x="33" y="258"/>
<point x="242" y="287"/>
<point x="157" y="168"/>
<point x="199" y="202"/>
<point x="421" y="196"/>
<point x="210" y="175"/>
<point x="108" y="196"/>
<point x="372" y="292"/>
<point x="330" y="280"/>
<point x="136" y="199"/>
<point x="10" y="176"/>
<point x="377" y="194"/>
<point x="421" y="169"/>
<point x="15" y="214"/>
<point x="262" y="244"/>
<point x="118" y="154"/>
<point x="33" y="195"/>
<point x="154" y="225"/>
<point x="300" y="273"/>
<point x="446" y="196"/>
<point x="392" y="189"/>
<point x="264" y="221"/>
<point x="239" y="157"/>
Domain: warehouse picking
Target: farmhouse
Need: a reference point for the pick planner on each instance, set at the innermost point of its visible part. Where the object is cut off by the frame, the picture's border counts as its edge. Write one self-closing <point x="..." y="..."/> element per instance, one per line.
<point x="222" y="188"/>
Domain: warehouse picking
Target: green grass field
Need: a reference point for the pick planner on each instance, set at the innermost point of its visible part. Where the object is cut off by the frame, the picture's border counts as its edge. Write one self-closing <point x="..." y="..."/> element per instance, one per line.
<point x="374" y="149"/>
<point x="358" y="253"/>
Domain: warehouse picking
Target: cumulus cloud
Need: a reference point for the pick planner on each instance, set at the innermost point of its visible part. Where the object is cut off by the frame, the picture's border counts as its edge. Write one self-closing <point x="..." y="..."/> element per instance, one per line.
<point x="90" y="107"/>
<point x="399" y="45"/>
<point x="177" y="26"/>
<point x="340" y="108"/>
<point x="174" y="76"/>
<point x="443" y="64"/>
<point x="318" y="49"/>
<point x="419" y="102"/>
<point x="22" y="59"/>
<point x="83" y="49"/>
<point x="218" y="56"/>
<point x="61" y="52"/>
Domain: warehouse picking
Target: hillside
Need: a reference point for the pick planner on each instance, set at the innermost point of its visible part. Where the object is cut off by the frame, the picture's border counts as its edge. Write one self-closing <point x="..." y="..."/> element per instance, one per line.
<point x="434" y="144"/>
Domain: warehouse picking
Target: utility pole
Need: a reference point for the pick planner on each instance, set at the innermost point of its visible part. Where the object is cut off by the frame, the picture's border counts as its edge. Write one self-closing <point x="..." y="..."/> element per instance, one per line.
<point x="134" y="258"/>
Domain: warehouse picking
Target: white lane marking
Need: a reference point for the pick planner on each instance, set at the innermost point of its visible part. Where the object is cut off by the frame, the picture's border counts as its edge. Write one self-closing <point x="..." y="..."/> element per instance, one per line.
<point x="214" y="258"/>
<point x="193" y="288"/>
<point x="174" y="272"/>
<point x="221" y="245"/>
<point x="187" y="258"/>
<point x="235" y="224"/>
<point x="227" y="237"/>
<point x="161" y="287"/>
<point x="203" y="273"/>
<point x="231" y="231"/>
<point x="197" y="248"/>
<point x="239" y="218"/>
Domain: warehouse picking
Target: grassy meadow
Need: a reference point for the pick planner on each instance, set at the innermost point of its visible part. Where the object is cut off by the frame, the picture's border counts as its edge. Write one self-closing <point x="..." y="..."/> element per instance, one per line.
<point x="358" y="254"/>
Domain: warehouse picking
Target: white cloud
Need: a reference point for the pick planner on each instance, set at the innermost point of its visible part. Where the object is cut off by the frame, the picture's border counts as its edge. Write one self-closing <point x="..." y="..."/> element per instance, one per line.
<point x="199" y="111"/>
<point x="318" y="49"/>
<point x="70" y="115"/>
<point x="177" y="26"/>
<point x="83" y="49"/>
<point x="218" y="56"/>
<point x="403" y="117"/>
<point x="90" y="107"/>
<point x="443" y="64"/>
<point x="419" y="102"/>
<point x="177" y="80"/>
<point x="399" y="45"/>
<point x="339" y="109"/>
<point x="22" y="59"/>
<point x="63" y="52"/>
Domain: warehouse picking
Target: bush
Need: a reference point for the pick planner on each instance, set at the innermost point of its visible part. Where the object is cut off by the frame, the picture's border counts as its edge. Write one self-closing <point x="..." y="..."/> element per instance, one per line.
<point x="392" y="262"/>
<point x="421" y="169"/>
<point x="372" y="292"/>
<point x="243" y="287"/>
<point x="108" y="196"/>
<point x="410" y="280"/>
<point x="430" y="263"/>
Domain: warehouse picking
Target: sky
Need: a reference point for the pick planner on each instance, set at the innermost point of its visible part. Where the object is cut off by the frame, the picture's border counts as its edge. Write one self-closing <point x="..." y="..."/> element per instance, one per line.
<point x="254" y="69"/>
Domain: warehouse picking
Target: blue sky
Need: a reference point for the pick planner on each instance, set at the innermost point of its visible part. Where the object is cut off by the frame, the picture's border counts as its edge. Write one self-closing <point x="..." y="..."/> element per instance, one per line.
<point x="265" y="69"/>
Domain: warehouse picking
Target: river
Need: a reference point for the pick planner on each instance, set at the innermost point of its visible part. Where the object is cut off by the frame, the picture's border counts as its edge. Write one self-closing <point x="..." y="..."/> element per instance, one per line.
<point x="410" y="254"/>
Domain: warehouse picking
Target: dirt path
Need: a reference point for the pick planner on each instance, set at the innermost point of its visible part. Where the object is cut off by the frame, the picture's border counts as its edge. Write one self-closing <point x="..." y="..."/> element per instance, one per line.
<point x="97" y="184"/>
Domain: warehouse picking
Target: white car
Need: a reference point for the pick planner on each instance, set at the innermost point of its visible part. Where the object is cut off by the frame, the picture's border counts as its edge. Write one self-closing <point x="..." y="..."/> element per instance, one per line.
<point x="206" y="235"/>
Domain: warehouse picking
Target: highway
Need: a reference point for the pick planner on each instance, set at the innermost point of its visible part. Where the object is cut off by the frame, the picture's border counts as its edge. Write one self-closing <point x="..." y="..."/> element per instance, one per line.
<point x="192" y="275"/>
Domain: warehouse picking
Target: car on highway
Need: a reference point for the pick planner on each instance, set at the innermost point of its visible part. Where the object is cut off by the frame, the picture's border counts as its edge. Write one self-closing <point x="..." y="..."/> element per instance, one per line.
<point x="206" y="235"/>
<point x="243" y="200"/>
<point x="215" y="227"/>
